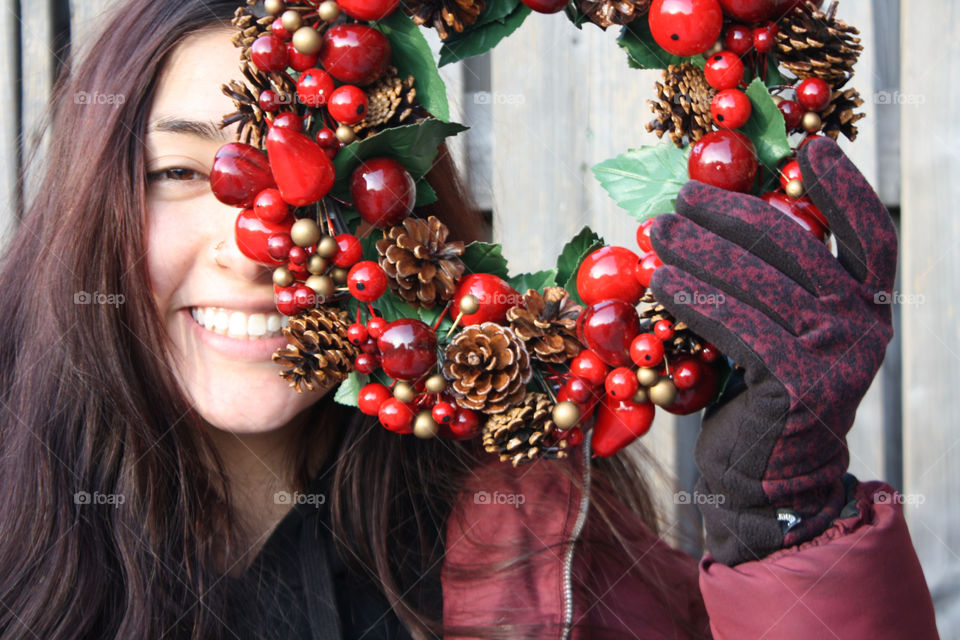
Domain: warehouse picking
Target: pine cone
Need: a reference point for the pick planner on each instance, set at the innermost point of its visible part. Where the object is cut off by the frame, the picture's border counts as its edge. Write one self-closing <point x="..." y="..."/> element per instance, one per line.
<point x="525" y="432"/>
<point x="422" y="267"/>
<point x="606" y="13"/>
<point x="249" y="28"/>
<point x="488" y="368"/>
<point x="682" y="108"/>
<point x="253" y="127"/>
<point x="319" y="351"/>
<point x="440" y="14"/>
<point x="547" y="324"/>
<point x="839" y="116"/>
<point x="393" y="102"/>
<point x="811" y="43"/>
<point x="684" y="340"/>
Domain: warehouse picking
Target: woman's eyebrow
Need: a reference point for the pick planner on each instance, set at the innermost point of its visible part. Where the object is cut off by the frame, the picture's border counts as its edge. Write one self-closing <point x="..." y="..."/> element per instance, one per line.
<point x="206" y="130"/>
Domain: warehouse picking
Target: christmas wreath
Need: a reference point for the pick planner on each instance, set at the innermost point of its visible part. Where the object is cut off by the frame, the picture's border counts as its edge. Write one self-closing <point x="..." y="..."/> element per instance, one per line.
<point x="340" y="114"/>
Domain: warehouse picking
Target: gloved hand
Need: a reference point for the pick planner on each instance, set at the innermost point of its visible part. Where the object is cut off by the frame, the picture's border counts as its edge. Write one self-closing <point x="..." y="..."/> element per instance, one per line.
<point x="809" y="331"/>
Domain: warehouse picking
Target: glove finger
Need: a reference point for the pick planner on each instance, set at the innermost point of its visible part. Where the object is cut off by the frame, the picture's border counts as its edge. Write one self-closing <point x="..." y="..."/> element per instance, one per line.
<point x="735" y="271"/>
<point x="765" y="232"/>
<point x="866" y="237"/>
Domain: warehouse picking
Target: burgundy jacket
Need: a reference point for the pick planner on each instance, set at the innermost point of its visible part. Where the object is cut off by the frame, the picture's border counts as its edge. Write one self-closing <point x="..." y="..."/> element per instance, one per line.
<point x="859" y="579"/>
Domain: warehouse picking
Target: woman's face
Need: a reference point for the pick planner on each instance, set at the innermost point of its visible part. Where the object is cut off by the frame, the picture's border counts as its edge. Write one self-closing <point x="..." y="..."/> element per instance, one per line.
<point x="217" y="305"/>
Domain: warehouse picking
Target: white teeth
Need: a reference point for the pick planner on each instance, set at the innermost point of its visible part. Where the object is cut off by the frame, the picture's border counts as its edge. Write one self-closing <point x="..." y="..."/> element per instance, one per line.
<point x="238" y="324"/>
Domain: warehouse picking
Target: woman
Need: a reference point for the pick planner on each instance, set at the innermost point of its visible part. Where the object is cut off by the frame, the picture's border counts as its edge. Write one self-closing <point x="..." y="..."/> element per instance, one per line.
<point x="150" y="461"/>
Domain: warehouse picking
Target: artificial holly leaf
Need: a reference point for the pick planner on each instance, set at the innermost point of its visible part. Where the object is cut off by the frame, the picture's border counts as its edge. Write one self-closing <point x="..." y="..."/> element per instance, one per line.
<point x="391" y="307"/>
<point x="774" y="79"/>
<point x="645" y="181"/>
<point x="766" y="127"/>
<point x="643" y="52"/>
<point x="369" y="244"/>
<point x="349" y="389"/>
<point x="484" y="257"/>
<point x="412" y="56"/>
<point x="429" y="317"/>
<point x="576" y="16"/>
<point x="494" y="11"/>
<point x="481" y="39"/>
<point x="537" y="280"/>
<point x="425" y="193"/>
<point x="415" y="145"/>
<point x="573" y="253"/>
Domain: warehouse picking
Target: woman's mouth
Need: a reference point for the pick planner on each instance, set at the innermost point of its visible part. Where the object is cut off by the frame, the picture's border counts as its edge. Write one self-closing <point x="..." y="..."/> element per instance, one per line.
<point x="239" y="324"/>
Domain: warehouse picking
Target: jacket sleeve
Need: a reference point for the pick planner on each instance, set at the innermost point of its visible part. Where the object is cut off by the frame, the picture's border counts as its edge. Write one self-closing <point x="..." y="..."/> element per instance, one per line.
<point x="858" y="579"/>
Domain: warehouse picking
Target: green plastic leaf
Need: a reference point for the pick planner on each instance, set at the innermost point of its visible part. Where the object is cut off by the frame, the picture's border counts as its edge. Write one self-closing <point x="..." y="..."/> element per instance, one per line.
<point x="537" y="280"/>
<point x="349" y="389"/>
<point x="495" y="11"/>
<point x="643" y="52"/>
<point x="774" y="78"/>
<point x="766" y="127"/>
<point x="415" y="145"/>
<point x="573" y="253"/>
<point x="576" y="16"/>
<point x="481" y="39"/>
<point x="425" y="193"/>
<point x="411" y="55"/>
<point x="369" y="244"/>
<point x="485" y="257"/>
<point x="429" y="316"/>
<point x="393" y="308"/>
<point x="645" y="181"/>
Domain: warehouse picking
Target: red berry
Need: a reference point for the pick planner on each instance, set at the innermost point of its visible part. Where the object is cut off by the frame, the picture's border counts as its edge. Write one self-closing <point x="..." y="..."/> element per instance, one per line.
<point x="348" y="104"/>
<point x="370" y="346"/>
<point x="701" y="394"/>
<point x="270" y="207"/>
<point x="643" y="235"/>
<point x="601" y="276"/>
<point x="663" y="329"/>
<point x="357" y="333"/>
<point x="790" y="171"/>
<point x="730" y="108"/>
<point x="545" y="6"/>
<point x="253" y="235"/>
<point x="269" y="53"/>
<point x="376" y="326"/>
<point x="278" y="246"/>
<point x="366" y="281"/>
<point x="621" y="383"/>
<point x="792" y="114"/>
<point x="686" y="373"/>
<point x="588" y="366"/>
<point x="575" y="437"/>
<point x="300" y="61"/>
<point x="738" y="39"/>
<point x="408" y="349"/>
<point x="354" y="53"/>
<point x="303" y="172"/>
<point x="466" y="423"/>
<point x="371" y="396"/>
<point x="725" y="159"/>
<point x="239" y="173"/>
<point x="286" y="303"/>
<point x="579" y="390"/>
<point x="748" y="10"/>
<point x="709" y="353"/>
<point x="304" y="296"/>
<point x="619" y="422"/>
<point x="395" y="416"/>
<point x="643" y="270"/>
<point x="444" y="412"/>
<point x="763" y="39"/>
<point x="723" y="70"/>
<point x="646" y="350"/>
<point x="799" y="210"/>
<point x="297" y="255"/>
<point x="366" y="363"/>
<point x="383" y="191"/>
<point x="327" y="139"/>
<point x="349" y="250"/>
<point x="493" y="294"/>
<point x="685" y="27"/>
<point x="814" y="94"/>
<point x="277" y="29"/>
<point x="607" y="329"/>
<point x="368" y="9"/>
<point x="314" y="87"/>
<point x="269" y="101"/>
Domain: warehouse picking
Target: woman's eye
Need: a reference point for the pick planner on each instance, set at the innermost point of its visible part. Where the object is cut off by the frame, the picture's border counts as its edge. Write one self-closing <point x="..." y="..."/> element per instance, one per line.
<point x="178" y="174"/>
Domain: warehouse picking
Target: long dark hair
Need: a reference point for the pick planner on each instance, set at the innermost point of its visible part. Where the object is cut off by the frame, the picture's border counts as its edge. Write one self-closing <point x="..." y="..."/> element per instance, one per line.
<point x="90" y="408"/>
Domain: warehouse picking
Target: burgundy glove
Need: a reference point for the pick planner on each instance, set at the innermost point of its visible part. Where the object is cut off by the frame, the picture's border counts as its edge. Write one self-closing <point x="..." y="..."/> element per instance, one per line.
<point x="809" y="331"/>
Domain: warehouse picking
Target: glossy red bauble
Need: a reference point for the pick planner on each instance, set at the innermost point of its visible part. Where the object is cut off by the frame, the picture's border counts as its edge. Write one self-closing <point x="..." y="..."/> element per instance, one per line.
<point x="605" y="275"/>
<point x="709" y="353"/>
<point x="349" y="250"/>
<point x="408" y="349"/>
<point x="239" y="173"/>
<point x="730" y="108"/>
<point x="764" y="39"/>
<point x="314" y="87"/>
<point x="269" y="53"/>
<point x="348" y="104"/>
<point x="685" y="27"/>
<point x="588" y="366"/>
<point x="579" y="390"/>
<point x="607" y="328"/>
<point x="376" y="326"/>
<point x="621" y="383"/>
<point x="738" y="39"/>
<point x="300" y="61"/>
<point x="370" y="346"/>
<point x="252" y="235"/>
<point x="270" y="207"/>
<point x="288" y="120"/>
<point x="703" y="392"/>
<point x="792" y="114"/>
<point x="663" y="329"/>
<point x="285" y="302"/>
<point x="748" y="10"/>
<point x="800" y="210"/>
<point x="723" y="70"/>
<point x="269" y="101"/>
<point x="493" y="294"/>
<point x="357" y="333"/>
<point x="790" y="171"/>
<point x="686" y="372"/>
<point x="368" y="9"/>
<point x="570" y="393"/>
<point x="277" y="29"/>
<point x="354" y="53"/>
<point x="618" y="423"/>
<point x="465" y="424"/>
<point x="304" y="296"/>
<point x="814" y="94"/>
<point x="366" y="363"/>
<point x="443" y="412"/>
<point x="297" y="255"/>
<point x="546" y="6"/>
<point x="366" y="281"/>
<point x="725" y="159"/>
<point x="279" y="245"/>
<point x="383" y="191"/>
<point x="371" y="396"/>
<point x="303" y="172"/>
<point x="643" y="271"/>
<point x="646" y="350"/>
<point x="643" y="235"/>
<point x="396" y="416"/>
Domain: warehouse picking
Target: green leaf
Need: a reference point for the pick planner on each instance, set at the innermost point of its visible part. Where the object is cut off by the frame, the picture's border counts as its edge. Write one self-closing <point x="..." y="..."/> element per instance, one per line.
<point x="537" y="280"/>
<point x="495" y="11"/>
<point x="393" y="308"/>
<point x="576" y="16"/>
<point x="573" y="253"/>
<point x="481" y="39"/>
<point x="485" y="257"/>
<point x="643" y="52"/>
<point x="369" y="244"/>
<point x="774" y="78"/>
<point x="349" y="389"/>
<point x="425" y="193"/>
<point x="766" y="127"/>
<point x="429" y="316"/>
<point x="415" y="145"/>
<point x="411" y="55"/>
<point x="645" y="181"/>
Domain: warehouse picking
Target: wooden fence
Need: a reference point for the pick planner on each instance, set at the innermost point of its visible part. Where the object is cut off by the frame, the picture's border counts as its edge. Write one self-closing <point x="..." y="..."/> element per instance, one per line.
<point x="551" y="101"/>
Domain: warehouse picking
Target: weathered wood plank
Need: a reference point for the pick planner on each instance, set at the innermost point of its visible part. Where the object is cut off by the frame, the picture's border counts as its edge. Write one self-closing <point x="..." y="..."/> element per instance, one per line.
<point x="38" y="61"/>
<point x="10" y="119"/>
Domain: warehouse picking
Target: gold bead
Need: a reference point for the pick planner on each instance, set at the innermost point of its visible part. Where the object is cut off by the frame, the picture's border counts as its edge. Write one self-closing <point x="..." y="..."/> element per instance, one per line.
<point x="322" y="285"/>
<point x="327" y="247"/>
<point x="811" y="122"/>
<point x="565" y="414"/>
<point x="469" y="304"/>
<point x="647" y="377"/>
<point x="282" y="277"/>
<point x="794" y="188"/>
<point x="345" y="134"/>
<point x="328" y="11"/>
<point x="435" y="384"/>
<point x="317" y="264"/>
<point x="403" y="391"/>
<point x="305" y="232"/>
<point x="291" y="20"/>
<point x="663" y="393"/>
<point x="641" y="395"/>
<point x="339" y="275"/>
<point x="307" y="41"/>
<point x="274" y="7"/>
<point x="424" y="426"/>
